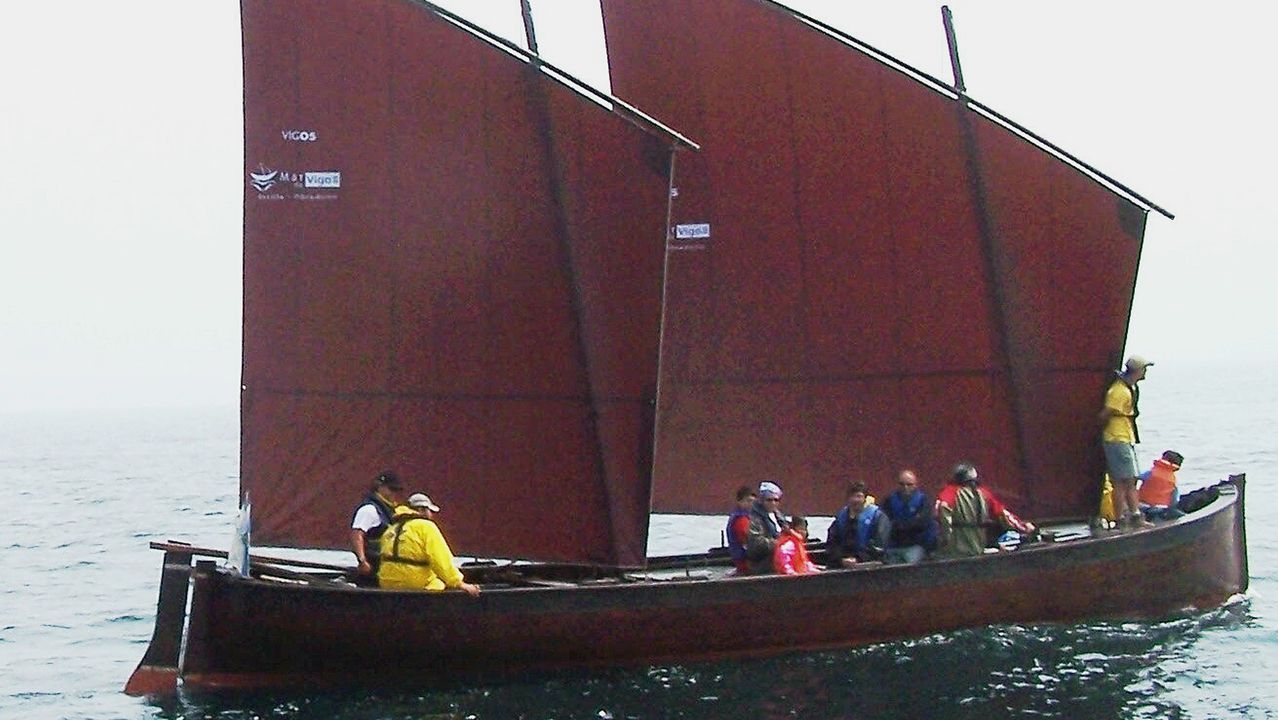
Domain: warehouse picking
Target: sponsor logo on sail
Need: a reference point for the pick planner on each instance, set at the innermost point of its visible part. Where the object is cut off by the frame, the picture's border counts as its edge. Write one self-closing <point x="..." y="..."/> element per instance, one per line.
<point x="690" y="236"/>
<point x="263" y="179"/>
<point x="309" y="136"/>
<point x="692" y="231"/>
<point x="279" y="184"/>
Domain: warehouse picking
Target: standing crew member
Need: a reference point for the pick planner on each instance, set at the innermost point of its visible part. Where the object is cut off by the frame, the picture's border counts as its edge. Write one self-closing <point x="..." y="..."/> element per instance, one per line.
<point x="1119" y="436"/>
<point x="369" y="522"/>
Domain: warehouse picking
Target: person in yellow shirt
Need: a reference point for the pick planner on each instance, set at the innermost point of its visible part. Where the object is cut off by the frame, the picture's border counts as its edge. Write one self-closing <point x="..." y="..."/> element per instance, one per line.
<point x="415" y="555"/>
<point x="1120" y="436"/>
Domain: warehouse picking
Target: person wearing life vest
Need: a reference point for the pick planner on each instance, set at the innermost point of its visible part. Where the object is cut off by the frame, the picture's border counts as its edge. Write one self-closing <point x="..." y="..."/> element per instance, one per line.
<point x="369" y="521"/>
<point x="860" y="532"/>
<point x="913" y="524"/>
<point x="738" y="529"/>
<point x="415" y="555"/>
<point x="1119" y="436"/>
<point x="766" y="524"/>
<point x="1158" y="492"/>
<point x="790" y="556"/>
<point x="966" y="514"/>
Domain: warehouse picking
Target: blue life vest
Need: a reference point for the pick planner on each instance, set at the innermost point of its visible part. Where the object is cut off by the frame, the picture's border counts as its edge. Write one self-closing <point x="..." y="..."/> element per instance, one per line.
<point x="900" y="510"/>
<point x="842" y="531"/>
<point x="736" y="550"/>
<point x="865" y="521"/>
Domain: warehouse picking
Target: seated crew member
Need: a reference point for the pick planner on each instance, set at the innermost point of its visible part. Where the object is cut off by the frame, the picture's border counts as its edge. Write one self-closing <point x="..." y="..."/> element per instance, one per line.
<point x="790" y="556"/>
<point x="913" y="523"/>
<point x="967" y="512"/>
<point x="370" y="520"/>
<point x="860" y="531"/>
<point x="1158" y="491"/>
<point x="766" y="524"/>
<point x="415" y="555"/>
<point x="738" y="529"/>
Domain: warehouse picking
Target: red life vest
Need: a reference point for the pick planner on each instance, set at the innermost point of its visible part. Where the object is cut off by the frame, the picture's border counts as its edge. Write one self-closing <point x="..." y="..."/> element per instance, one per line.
<point x="1158" y="487"/>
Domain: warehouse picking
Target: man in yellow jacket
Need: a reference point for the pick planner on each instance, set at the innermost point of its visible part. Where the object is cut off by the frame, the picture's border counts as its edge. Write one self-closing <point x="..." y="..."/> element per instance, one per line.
<point x="415" y="555"/>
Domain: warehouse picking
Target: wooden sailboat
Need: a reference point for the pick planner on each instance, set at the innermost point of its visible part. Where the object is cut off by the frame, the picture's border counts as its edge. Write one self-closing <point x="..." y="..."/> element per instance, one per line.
<point x="454" y="266"/>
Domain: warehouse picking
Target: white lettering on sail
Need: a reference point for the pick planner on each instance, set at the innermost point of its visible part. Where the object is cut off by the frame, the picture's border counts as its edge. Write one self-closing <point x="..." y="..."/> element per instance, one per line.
<point x="299" y="135"/>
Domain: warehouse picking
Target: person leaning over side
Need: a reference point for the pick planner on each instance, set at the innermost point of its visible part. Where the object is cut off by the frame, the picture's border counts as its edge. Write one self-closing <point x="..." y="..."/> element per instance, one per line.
<point x="966" y="512"/>
<point x="1119" y="436"/>
<point x="860" y="532"/>
<point x="415" y="555"/>
<point x="790" y="557"/>
<point x="738" y="529"/>
<point x="913" y="522"/>
<point x="766" y="524"/>
<point x="370" y="520"/>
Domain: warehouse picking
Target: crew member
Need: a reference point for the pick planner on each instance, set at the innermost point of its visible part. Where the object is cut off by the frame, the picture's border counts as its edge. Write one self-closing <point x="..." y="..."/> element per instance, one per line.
<point x="913" y="523"/>
<point x="415" y="555"/>
<point x="738" y="529"/>
<point x="766" y="524"/>
<point x="967" y="512"/>
<point x="1119" y="436"/>
<point x="370" y="520"/>
<point x="1158" y="492"/>
<point x="860" y="531"/>
<point x="790" y="556"/>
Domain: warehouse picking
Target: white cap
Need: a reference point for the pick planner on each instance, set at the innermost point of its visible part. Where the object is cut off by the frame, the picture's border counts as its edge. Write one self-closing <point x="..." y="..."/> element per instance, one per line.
<point x="769" y="490"/>
<point x="1136" y="362"/>
<point x="422" y="500"/>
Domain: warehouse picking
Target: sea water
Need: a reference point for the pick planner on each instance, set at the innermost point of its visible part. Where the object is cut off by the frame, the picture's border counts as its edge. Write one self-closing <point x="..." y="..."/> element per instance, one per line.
<point x="85" y="493"/>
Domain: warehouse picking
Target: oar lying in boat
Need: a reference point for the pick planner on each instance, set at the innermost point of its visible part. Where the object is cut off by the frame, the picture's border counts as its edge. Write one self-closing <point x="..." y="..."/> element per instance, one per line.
<point x="262" y="559"/>
<point x="264" y="565"/>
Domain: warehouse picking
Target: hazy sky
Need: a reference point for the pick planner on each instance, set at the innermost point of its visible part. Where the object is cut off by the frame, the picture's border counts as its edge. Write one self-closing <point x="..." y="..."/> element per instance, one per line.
<point x="120" y="136"/>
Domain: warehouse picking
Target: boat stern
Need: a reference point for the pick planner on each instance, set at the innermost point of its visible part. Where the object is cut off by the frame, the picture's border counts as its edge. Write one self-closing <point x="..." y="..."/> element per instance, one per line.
<point x="157" y="673"/>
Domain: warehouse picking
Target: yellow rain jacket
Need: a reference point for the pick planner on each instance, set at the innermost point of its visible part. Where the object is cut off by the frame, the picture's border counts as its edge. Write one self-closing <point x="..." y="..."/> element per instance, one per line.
<point x="415" y="555"/>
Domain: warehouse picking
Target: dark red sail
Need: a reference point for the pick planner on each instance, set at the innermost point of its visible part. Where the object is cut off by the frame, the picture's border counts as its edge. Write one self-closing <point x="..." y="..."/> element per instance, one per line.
<point x="888" y="278"/>
<point x="453" y="269"/>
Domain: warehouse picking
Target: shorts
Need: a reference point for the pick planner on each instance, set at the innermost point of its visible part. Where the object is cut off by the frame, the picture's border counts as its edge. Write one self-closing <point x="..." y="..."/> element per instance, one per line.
<point x="1120" y="459"/>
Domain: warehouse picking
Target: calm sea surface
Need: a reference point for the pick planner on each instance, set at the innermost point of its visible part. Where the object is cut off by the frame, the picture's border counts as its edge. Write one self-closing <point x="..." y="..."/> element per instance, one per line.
<point x="85" y="492"/>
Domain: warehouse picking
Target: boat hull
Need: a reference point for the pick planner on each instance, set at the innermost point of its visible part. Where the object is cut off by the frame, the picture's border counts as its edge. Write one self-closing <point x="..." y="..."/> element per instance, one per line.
<point x="250" y="633"/>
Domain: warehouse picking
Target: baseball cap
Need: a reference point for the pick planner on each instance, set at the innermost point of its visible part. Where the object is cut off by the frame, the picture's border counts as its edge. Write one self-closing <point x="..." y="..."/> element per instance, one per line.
<point x="1137" y="362"/>
<point x="390" y="480"/>
<point x="422" y="500"/>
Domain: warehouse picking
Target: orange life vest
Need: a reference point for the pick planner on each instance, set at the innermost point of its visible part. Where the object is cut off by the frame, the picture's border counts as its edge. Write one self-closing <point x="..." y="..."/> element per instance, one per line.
<point x="1158" y="487"/>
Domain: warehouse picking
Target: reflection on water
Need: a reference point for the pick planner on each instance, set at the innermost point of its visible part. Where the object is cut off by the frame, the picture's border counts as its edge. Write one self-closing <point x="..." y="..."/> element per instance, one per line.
<point x="1127" y="670"/>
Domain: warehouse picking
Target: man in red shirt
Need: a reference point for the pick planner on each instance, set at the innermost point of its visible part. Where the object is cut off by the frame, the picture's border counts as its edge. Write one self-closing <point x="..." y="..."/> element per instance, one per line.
<point x="967" y="512"/>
